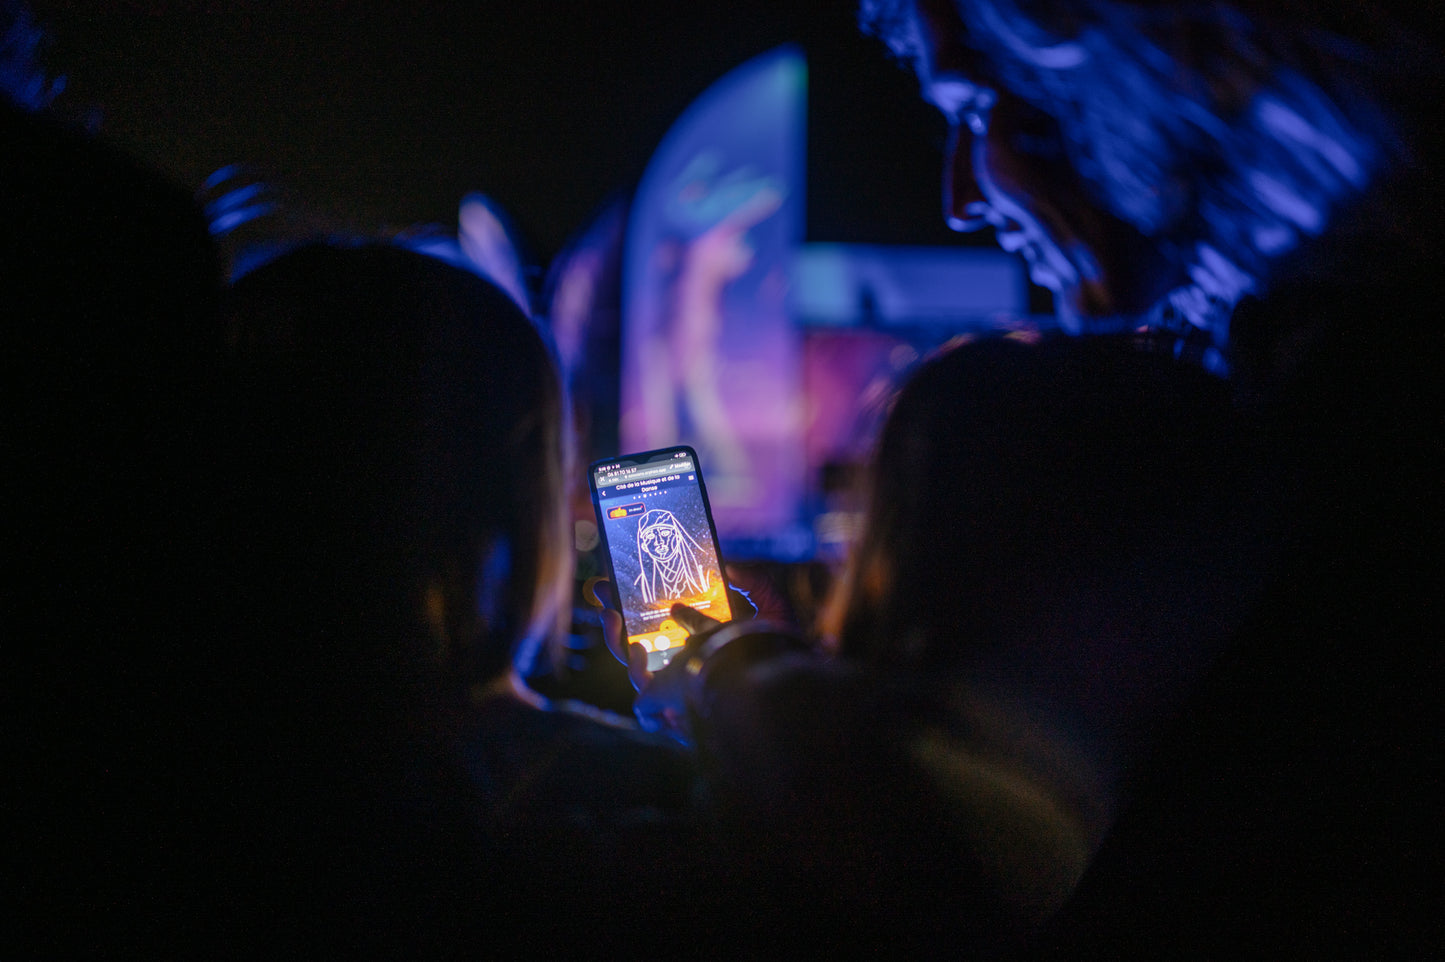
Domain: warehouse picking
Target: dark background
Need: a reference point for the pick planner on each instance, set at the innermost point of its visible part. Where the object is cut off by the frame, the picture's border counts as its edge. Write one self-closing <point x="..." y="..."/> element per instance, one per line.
<point x="383" y="114"/>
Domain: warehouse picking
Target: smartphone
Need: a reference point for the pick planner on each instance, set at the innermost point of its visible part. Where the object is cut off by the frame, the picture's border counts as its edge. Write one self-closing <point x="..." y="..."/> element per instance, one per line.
<point x="661" y="545"/>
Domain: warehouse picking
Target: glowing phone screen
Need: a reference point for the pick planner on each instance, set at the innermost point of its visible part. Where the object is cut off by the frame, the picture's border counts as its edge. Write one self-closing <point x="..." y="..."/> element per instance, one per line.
<point x="659" y="535"/>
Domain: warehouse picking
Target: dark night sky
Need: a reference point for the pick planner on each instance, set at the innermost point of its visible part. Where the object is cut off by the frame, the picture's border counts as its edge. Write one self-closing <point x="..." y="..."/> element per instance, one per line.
<point x="383" y="113"/>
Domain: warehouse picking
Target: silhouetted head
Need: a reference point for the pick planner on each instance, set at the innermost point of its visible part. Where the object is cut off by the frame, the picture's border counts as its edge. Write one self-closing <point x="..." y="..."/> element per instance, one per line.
<point x="407" y="449"/>
<point x="1028" y="501"/>
<point x="109" y="291"/>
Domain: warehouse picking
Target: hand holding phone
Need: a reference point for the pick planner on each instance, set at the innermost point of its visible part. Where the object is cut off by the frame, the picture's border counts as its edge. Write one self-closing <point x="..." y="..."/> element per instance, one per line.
<point x="661" y="704"/>
<point x="661" y="545"/>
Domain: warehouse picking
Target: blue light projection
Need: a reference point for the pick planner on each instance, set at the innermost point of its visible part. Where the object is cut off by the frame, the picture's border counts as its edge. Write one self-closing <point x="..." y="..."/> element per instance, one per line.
<point x="23" y="80"/>
<point x="1226" y="158"/>
<point x="770" y="356"/>
<point x="236" y="205"/>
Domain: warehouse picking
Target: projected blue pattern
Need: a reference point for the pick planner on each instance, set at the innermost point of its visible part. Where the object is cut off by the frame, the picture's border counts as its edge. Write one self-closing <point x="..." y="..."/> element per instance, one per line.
<point x="233" y="199"/>
<point x="23" y="80"/>
<point x="1222" y="163"/>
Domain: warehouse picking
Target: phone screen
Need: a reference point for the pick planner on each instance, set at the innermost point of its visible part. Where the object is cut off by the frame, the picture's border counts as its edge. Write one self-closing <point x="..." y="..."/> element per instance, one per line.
<point x="658" y="532"/>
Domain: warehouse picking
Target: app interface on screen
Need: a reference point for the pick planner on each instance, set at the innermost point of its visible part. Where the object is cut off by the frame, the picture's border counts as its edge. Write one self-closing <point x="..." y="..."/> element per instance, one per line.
<point x="662" y="548"/>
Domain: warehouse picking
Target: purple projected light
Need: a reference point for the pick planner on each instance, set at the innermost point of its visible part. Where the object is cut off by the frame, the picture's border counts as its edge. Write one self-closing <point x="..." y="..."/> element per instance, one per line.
<point x="710" y="354"/>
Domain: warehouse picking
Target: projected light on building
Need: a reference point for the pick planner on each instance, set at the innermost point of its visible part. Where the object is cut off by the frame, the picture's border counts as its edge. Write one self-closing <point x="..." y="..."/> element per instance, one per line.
<point x="768" y="355"/>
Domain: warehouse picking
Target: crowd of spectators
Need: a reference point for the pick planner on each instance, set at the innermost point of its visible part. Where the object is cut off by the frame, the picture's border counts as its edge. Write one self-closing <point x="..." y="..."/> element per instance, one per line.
<point x="1131" y="655"/>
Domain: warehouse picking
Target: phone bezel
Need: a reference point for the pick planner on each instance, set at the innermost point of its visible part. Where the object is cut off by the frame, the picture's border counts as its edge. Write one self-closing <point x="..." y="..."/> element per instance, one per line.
<point x="633" y="460"/>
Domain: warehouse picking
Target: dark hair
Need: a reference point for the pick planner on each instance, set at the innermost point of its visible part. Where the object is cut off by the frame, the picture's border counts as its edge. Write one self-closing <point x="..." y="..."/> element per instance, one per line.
<point x="407" y="445"/>
<point x="1003" y="462"/>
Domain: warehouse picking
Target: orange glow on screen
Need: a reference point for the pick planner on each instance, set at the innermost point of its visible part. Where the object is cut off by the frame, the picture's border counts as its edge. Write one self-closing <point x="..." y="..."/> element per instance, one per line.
<point x="669" y="634"/>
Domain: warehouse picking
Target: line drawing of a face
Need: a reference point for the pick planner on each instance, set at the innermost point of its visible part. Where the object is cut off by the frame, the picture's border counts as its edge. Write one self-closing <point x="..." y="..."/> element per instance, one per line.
<point x="668" y="557"/>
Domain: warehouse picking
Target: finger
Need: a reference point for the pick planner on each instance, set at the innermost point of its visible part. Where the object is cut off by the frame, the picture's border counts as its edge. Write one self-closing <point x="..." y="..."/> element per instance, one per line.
<point x="602" y="591"/>
<point x="614" y="634"/>
<point x="597" y="592"/>
<point x="694" y="621"/>
<point x="637" y="671"/>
